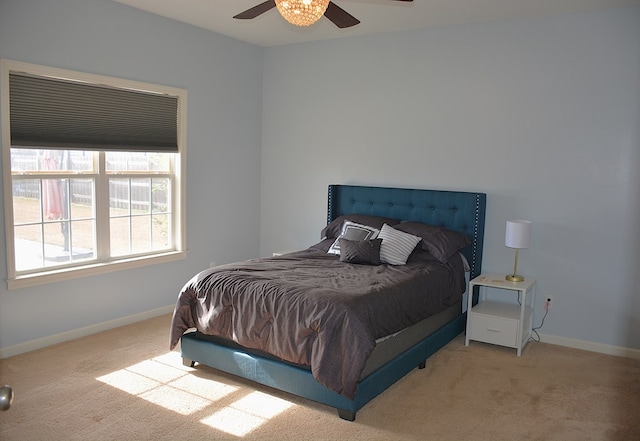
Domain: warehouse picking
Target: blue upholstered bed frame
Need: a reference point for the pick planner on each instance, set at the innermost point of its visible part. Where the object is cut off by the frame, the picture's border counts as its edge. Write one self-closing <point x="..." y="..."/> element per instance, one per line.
<point x="459" y="211"/>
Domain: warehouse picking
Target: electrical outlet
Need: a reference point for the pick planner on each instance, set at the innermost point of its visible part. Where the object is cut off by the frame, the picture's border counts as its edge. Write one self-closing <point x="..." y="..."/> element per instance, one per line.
<point x="212" y="264"/>
<point x="547" y="303"/>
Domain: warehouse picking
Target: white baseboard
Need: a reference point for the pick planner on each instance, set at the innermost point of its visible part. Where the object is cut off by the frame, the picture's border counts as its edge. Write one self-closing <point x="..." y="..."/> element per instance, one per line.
<point x="39" y="343"/>
<point x="591" y="346"/>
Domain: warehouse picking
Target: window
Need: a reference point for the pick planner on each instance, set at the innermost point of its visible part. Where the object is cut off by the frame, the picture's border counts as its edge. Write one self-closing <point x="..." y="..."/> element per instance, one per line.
<point x="94" y="172"/>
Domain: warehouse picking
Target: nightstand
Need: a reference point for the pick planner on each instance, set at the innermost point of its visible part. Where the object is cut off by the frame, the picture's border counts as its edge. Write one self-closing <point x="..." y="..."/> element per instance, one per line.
<point x="501" y="323"/>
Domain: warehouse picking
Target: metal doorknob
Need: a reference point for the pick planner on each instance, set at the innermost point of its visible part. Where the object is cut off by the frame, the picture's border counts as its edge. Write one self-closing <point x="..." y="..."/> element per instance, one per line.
<point x="6" y="397"/>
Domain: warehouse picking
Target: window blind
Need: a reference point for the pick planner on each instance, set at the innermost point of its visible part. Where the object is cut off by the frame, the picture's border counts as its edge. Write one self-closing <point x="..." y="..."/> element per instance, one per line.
<point x="54" y="113"/>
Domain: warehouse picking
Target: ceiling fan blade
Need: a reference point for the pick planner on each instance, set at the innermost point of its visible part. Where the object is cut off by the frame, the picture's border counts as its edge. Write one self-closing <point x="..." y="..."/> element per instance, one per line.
<point x="340" y="17"/>
<point x="256" y="10"/>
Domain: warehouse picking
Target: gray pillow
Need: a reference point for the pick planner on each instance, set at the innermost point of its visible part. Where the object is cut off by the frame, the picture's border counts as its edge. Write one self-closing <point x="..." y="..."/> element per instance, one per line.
<point x="335" y="227"/>
<point x="366" y="252"/>
<point x="440" y="242"/>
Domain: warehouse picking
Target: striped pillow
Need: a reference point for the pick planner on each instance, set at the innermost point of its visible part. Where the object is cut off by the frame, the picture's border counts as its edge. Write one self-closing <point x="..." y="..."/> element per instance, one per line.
<point x="396" y="245"/>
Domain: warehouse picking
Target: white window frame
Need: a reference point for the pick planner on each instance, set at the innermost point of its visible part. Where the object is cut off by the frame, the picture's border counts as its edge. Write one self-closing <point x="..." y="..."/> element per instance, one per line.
<point x="49" y="275"/>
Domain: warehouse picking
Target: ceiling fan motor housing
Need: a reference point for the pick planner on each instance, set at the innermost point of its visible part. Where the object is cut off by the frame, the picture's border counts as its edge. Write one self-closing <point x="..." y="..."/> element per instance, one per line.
<point x="302" y="12"/>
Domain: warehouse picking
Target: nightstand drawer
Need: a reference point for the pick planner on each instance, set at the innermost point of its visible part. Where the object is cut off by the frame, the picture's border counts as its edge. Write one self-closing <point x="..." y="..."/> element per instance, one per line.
<point x="495" y="330"/>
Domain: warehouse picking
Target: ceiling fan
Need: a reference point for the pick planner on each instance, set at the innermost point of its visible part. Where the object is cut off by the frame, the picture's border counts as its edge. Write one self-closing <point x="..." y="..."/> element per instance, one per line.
<point x="333" y="12"/>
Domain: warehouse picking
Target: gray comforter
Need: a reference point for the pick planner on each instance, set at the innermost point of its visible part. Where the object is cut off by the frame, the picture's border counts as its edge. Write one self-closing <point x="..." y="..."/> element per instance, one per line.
<point x="311" y="309"/>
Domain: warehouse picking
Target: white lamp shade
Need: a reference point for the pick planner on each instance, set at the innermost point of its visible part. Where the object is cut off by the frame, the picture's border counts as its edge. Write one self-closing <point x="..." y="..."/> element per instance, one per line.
<point x="518" y="234"/>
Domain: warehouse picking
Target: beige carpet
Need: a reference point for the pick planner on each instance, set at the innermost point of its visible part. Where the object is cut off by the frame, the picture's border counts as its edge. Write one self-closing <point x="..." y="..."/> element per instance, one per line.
<point x="124" y="384"/>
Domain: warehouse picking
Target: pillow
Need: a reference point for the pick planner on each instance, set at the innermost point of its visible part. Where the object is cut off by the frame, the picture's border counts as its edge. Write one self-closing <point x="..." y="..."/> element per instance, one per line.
<point x="353" y="231"/>
<point x="334" y="228"/>
<point x="438" y="241"/>
<point x="396" y="245"/>
<point x="365" y="252"/>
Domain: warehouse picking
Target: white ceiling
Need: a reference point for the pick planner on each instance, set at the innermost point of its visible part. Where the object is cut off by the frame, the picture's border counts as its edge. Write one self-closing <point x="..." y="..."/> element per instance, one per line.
<point x="376" y="16"/>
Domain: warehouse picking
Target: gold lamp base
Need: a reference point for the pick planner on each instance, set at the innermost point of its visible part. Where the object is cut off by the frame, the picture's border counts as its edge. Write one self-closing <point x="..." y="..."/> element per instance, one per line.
<point x="515" y="277"/>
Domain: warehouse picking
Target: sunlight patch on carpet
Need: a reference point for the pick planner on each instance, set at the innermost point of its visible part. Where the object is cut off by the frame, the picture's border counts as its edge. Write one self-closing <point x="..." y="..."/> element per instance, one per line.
<point x="165" y="382"/>
<point x="160" y="382"/>
<point x="247" y="413"/>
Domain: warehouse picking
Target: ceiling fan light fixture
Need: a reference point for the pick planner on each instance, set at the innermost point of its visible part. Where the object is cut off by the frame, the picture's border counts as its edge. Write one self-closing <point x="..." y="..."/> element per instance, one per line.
<point x="302" y="12"/>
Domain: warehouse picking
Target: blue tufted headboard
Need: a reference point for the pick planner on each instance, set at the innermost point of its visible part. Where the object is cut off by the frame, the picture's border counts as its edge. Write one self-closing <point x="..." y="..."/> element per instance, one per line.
<point x="456" y="210"/>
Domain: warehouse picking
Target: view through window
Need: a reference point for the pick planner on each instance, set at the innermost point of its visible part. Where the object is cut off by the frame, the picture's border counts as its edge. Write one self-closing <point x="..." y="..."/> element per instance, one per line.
<point x="94" y="172"/>
<point x="54" y="205"/>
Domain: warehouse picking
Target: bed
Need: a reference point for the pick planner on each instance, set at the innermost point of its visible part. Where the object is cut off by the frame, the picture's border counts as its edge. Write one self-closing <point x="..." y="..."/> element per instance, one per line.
<point x="339" y="326"/>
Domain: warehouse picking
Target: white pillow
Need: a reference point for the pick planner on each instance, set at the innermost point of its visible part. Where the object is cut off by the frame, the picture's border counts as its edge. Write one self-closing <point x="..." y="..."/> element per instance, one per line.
<point x="396" y="245"/>
<point x="355" y="232"/>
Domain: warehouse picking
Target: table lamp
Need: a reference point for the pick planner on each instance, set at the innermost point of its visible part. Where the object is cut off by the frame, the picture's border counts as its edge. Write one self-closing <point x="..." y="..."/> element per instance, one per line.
<point x="518" y="236"/>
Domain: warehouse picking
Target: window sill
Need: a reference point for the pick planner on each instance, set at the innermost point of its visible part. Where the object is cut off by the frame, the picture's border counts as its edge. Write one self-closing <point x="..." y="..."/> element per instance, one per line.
<point x="59" y="275"/>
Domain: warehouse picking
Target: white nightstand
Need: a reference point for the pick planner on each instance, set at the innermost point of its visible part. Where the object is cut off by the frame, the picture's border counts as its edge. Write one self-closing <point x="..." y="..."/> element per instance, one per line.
<point x="501" y="323"/>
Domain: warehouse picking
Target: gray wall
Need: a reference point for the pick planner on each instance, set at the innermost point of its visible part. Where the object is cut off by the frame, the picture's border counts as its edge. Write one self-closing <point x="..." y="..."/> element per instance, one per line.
<point x="543" y="115"/>
<point x="223" y="79"/>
